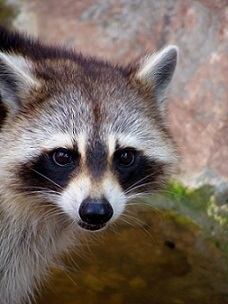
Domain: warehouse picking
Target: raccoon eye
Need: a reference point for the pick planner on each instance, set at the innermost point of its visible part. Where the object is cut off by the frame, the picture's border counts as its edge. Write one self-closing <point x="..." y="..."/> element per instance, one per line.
<point x="62" y="157"/>
<point x="125" y="157"/>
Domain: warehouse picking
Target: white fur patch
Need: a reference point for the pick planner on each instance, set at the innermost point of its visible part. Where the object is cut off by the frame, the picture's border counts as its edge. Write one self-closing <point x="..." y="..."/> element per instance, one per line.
<point x="59" y="140"/>
<point x="21" y="67"/>
<point x="73" y="195"/>
<point x="111" y="144"/>
<point x="65" y="140"/>
<point x="152" y="64"/>
<point x="81" y="142"/>
<point x="115" y="196"/>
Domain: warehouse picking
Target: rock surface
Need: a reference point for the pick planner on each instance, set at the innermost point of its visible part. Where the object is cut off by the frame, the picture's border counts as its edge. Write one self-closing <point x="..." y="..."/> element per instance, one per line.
<point x="164" y="260"/>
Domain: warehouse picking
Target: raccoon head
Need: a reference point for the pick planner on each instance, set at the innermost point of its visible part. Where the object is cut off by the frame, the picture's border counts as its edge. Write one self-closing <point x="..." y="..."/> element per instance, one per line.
<point x="78" y="134"/>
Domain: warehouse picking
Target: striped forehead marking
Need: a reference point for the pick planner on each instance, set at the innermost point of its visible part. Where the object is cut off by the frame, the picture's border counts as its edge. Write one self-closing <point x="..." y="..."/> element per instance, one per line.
<point x="96" y="157"/>
<point x="81" y="142"/>
<point x="65" y="140"/>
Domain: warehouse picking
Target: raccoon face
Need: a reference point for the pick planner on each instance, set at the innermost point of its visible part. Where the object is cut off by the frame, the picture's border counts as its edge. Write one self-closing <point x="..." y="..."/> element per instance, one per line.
<point x="80" y="135"/>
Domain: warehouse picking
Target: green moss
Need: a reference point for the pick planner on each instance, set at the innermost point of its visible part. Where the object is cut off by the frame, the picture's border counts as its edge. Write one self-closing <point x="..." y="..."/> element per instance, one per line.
<point x="182" y="220"/>
<point x="204" y="207"/>
<point x="195" y="199"/>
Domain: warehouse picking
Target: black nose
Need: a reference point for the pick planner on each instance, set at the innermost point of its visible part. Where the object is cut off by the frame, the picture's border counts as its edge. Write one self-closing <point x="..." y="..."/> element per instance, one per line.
<point x="95" y="213"/>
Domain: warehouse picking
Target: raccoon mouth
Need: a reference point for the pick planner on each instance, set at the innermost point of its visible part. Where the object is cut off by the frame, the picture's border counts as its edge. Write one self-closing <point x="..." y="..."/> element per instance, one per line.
<point x="91" y="227"/>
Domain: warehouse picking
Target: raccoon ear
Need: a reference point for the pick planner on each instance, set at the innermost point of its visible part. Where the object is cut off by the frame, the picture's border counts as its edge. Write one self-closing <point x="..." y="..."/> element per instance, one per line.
<point x="16" y="80"/>
<point x="156" y="71"/>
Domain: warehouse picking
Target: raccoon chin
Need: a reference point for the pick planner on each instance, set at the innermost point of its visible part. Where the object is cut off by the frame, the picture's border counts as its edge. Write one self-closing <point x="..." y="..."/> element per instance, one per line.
<point x="91" y="227"/>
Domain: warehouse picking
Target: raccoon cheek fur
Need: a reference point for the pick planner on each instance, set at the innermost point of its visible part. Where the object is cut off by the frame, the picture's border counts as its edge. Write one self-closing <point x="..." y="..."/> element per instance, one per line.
<point x="79" y="138"/>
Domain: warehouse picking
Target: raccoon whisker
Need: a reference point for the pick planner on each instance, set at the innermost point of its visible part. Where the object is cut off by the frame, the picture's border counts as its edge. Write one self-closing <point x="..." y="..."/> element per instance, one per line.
<point x="48" y="179"/>
<point x="136" y="187"/>
<point x="145" y="184"/>
<point x="67" y="270"/>
<point x="139" y="223"/>
<point x="37" y="187"/>
<point x="141" y="202"/>
<point x="43" y="194"/>
<point x="135" y="195"/>
<point x="114" y="228"/>
<point x="140" y="180"/>
<point x="180" y="196"/>
<point x="53" y="213"/>
<point x="60" y="217"/>
<point x="129" y="194"/>
<point x="140" y="194"/>
<point x="41" y="217"/>
<point x="56" y="213"/>
<point x="41" y="190"/>
<point x="133" y="217"/>
<point x="71" y="268"/>
<point x="122" y="219"/>
<point x="161" y="194"/>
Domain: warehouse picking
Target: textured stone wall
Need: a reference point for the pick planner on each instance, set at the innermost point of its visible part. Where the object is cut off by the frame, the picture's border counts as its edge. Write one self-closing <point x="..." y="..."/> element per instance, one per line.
<point x="119" y="30"/>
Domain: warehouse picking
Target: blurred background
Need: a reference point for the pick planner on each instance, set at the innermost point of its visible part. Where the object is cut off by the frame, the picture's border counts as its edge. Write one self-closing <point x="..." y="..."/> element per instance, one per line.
<point x="180" y="253"/>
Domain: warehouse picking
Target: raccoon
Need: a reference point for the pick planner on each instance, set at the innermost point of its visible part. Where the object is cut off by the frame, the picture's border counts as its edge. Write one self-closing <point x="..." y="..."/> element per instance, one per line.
<point x="79" y="138"/>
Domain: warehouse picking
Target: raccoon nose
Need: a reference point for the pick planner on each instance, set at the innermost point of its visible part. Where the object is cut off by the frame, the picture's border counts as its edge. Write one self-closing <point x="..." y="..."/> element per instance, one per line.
<point x="95" y="213"/>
